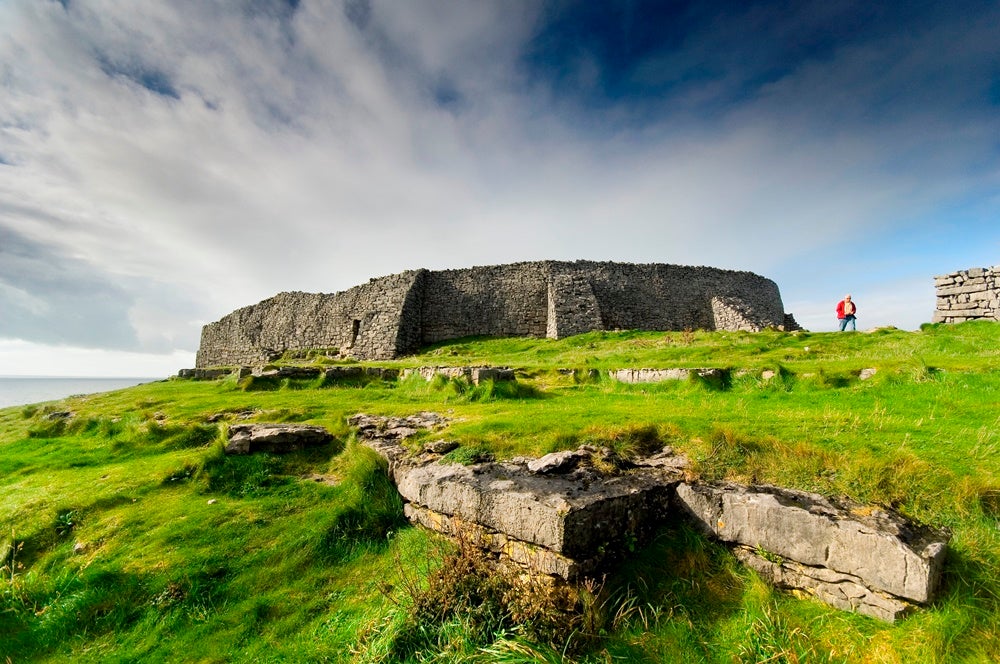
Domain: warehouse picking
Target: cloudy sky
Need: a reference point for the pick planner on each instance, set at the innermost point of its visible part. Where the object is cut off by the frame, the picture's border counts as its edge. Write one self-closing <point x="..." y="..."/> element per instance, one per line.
<point x="163" y="163"/>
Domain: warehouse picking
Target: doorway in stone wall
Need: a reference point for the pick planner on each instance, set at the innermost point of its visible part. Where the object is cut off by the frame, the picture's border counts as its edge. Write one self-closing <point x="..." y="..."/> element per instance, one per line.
<point x="355" y="330"/>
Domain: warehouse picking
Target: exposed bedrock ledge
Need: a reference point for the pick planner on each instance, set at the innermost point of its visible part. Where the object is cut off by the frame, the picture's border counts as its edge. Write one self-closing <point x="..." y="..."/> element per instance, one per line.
<point x="837" y="589"/>
<point x="883" y="550"/>
<point x="576" y="515"/>
<point x="277" y="438"/>
<point x="660" y="375"/>
<point x="559" y="515"/>
<point x="565" y="507"/>
<point x="473" y="374"/>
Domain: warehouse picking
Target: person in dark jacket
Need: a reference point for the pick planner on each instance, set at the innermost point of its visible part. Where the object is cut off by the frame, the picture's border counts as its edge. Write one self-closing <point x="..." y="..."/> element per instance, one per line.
<point x="846" y="313"/>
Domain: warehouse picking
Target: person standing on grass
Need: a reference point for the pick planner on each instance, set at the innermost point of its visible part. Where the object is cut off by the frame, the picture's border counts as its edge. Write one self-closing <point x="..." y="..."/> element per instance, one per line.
<point x="846" y="312"/>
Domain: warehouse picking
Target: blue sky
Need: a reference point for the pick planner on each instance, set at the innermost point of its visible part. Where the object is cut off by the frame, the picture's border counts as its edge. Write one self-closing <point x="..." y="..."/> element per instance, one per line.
<point x="162" y="164"/>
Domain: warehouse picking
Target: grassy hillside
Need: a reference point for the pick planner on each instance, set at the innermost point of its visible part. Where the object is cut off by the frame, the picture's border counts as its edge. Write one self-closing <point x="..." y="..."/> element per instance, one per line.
<point x="126" y="534"/>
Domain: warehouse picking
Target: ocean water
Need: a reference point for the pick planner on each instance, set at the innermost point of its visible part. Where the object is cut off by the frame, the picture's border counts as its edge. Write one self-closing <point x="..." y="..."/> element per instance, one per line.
<point x="20" y="390"/>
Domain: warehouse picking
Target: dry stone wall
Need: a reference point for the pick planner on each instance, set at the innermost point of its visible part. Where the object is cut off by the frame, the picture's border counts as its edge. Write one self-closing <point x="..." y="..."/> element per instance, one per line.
<point x="498" y="300"/>
<point x="394" y="315"/>
<point x="968" y="295"/>
<point x="379" y="319"/>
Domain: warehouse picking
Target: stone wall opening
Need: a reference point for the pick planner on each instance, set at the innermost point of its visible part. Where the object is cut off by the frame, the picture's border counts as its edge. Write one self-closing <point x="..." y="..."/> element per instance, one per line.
<point x="355" y="330"/>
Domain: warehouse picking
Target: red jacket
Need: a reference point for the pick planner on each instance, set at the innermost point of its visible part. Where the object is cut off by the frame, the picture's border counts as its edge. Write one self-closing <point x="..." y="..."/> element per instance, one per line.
<point x="840" y="309"/>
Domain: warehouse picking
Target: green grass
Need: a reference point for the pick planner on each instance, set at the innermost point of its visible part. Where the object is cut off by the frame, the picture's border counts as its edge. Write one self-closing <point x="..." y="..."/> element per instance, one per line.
<point x="126" y="534"/>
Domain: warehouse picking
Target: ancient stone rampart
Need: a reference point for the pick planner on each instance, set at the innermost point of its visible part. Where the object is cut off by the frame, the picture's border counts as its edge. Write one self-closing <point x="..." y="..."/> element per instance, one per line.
<point x="394" y="315"/>
<point x="375" y="320"/>
<point x="968" y="295"/>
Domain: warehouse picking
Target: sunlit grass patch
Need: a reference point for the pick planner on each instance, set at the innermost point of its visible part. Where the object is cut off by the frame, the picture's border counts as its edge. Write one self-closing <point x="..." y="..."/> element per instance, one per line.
<point x="127" y="535"/>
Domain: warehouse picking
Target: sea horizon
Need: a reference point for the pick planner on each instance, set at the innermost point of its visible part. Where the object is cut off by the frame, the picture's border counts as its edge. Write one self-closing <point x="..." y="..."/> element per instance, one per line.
<point x="20" y="390"/>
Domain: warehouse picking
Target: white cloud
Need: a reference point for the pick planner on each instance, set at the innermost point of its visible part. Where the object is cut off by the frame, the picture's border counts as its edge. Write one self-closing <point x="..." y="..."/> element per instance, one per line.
<point x="301" y="152"/>
<point x="24" y="358"/>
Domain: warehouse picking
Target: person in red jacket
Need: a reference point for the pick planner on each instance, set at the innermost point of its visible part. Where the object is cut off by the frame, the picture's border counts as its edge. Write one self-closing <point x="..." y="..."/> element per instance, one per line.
<point x="846" y="312"/>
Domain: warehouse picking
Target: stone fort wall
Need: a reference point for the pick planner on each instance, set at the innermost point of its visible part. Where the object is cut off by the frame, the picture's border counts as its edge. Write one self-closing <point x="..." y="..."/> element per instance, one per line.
<point x="394" y="315"/>
<point x="968" y="295"/>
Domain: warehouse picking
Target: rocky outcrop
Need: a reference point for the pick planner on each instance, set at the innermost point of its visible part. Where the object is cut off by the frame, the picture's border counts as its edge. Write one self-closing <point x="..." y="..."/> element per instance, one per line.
<point x="837" y="589"/>
<point x="475" y="375"/>
<point x="332" y="374"/>
<point x="204" y="374"/>
<point x="278" y="438"/>
<point x="565" y="517"/>
<point x="570" y="513"/>
<point x="661" y="375"/>
<point x="848" y="554"/>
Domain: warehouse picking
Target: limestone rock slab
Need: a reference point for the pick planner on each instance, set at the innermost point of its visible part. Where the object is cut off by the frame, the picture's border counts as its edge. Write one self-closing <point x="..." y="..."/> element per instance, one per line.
<point x="881" y="549"/>
<point x="839" y="590"/>
<point x="573" y="514"/>
<point x="535" y="558"/>
<point x="475" y="375"/>
<point x="278" y="438"/>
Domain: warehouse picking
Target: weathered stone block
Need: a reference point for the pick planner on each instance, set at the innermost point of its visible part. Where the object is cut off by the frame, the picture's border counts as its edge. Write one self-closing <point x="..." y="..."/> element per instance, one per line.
<point x="496" y="374"/>
<point x="842" y="591"/>
<point x="649" y="375"/>
<point x="555" y="462"/>
<point x="573" y="515"/>
<point x="535" y="558"/>
<point x="960" y="289"/>
<point x="883" y="550"/>
<point x="278" y="438"/>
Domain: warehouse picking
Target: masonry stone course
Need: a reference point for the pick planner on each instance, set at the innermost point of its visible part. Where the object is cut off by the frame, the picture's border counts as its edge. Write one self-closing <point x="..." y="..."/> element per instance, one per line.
<point x="968" y="295"/>
<point x="397" y="314"/>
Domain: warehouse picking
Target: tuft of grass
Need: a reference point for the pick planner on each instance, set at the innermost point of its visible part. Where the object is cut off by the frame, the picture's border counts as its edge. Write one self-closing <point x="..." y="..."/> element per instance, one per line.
<point x="631" y="440"/>
<point x="468" y="455"/>
<point x="368" y="509"/>
<point x="240" y="476"/>
<point x="471" y="600"/>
